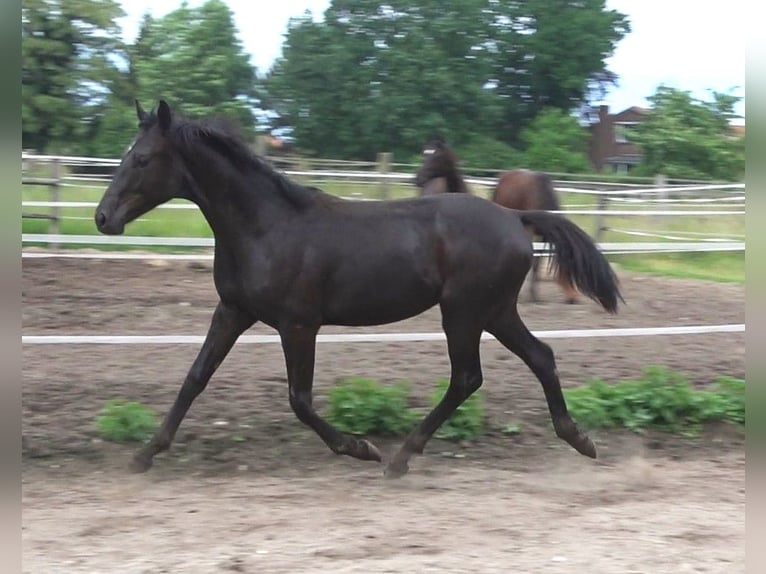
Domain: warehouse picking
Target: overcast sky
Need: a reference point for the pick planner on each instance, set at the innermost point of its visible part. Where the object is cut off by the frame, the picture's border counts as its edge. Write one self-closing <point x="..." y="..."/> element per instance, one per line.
<point x="688" y="44"/>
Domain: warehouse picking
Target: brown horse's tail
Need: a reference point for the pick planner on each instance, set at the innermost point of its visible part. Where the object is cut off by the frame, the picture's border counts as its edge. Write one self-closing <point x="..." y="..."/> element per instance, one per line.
<point x="576" y="257"/>
<point x="549" y="201"/>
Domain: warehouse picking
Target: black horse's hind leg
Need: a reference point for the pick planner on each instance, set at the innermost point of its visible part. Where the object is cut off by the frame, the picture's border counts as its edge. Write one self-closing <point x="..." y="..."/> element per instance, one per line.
<point x="463" y="339"/>
<point x="226" y="326"/>
<point x="299" y="346"/>
<point x="509" y="329"/>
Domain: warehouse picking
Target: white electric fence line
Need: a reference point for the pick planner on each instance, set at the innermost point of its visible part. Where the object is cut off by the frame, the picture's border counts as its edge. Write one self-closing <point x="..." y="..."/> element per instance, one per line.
<point x="735" y="198"/>
<point x="610" y="212"/>
<point x="119" y="256"/>
<point x="371" y="337"/>
<point x="129" y="240"/>
<point x="668" y="235"/>
<point x="89" y="161"/>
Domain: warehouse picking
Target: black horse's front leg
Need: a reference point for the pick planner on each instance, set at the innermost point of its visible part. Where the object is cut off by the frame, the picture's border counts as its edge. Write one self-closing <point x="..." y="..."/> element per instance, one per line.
<point x="227" y="325"/>
<point x="299" y="346"/>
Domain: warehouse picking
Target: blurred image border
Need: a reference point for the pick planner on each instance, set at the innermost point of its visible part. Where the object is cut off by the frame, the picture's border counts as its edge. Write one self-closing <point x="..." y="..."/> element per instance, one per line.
<point x="10" y="353"/>
<point x="755" y="303"/>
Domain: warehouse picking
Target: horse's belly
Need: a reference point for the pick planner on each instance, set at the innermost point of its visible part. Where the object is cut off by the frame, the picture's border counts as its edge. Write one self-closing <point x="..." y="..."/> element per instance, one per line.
<point x="379" y="302"/>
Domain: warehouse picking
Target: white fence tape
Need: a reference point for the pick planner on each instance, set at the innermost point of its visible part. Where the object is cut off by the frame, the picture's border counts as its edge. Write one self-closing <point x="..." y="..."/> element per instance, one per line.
<point x="351" y="174"/>
<point x="371" y="337"/>
<point x="138" y="240"/>
<point x="610" y="212"/>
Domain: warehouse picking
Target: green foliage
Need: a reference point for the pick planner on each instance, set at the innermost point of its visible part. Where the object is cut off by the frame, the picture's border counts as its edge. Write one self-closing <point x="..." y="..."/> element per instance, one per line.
<point x="688" y="138"/>
<point x="660" y="399"/>
<point x="123" y="421"/>
<point x="364" y="406"/>
<point x="466" y="422"/>
<point x="485" y="153"/>
<point x="556" y="142"/>
<point x="193" y="58"/>
<point x="69" y="48"/>
<point x="512" y="429"/>
<point x="79" y="80"/>
<point x="374" y="76"/>
<point x="113" y="132"/>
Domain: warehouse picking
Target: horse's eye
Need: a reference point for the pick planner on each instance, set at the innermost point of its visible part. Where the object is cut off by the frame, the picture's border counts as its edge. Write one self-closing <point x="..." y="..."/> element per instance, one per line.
<point x="140" y="160"/>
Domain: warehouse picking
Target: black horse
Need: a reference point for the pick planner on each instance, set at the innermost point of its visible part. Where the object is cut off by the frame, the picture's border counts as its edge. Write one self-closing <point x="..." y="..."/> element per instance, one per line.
<point x="297" y="258"/>
<point x="439" y="172"/>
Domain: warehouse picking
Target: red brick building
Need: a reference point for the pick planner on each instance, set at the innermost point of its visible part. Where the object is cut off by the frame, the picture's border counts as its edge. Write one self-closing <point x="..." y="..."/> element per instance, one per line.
<point x="610" y="148"/>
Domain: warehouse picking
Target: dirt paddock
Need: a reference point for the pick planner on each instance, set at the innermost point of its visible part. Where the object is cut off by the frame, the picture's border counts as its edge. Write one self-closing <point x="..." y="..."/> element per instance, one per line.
<point x="246" y="488"/>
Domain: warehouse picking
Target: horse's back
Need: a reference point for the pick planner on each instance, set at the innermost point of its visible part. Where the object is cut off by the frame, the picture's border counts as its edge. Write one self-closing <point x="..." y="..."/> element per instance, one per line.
<point x="483" y="222"/>
<point x="525" y="190"/>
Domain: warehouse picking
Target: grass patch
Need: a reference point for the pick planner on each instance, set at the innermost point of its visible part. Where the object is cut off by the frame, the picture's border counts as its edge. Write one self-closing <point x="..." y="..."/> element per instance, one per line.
<point x="363" y="406"/>
<point x="123" y="421"/>
<point x="467" y="422"/>
<point x="724" y="267"/>
<point x="660" y="399"/>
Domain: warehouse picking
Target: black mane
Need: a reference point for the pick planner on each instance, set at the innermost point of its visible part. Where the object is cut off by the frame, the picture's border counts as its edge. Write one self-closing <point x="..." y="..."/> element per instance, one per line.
<point x="221" y="135"/>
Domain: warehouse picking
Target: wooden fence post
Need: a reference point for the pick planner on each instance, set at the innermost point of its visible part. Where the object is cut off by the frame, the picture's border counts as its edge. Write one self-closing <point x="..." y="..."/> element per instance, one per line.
<point x="260" y="145"/>
<point x="598" y="232"/>
<point x="383" y="168"/>
<point x="54" y="225"/>
<point x="661" y="181"/>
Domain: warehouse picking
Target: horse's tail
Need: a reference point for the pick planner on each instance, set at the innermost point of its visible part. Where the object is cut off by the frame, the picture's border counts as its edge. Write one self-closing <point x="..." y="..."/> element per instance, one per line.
<point x="549" y="201"/>
<point x="576" y="257"/>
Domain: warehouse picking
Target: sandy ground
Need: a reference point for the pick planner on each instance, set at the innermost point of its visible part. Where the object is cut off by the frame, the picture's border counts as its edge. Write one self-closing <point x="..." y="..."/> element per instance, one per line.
<point x="246" y="488"/>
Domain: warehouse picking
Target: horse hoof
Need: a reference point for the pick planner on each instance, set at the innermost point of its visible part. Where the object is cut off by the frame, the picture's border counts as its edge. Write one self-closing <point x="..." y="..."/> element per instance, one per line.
<point x="578" y="440"/>
<point x="394" y="470"/>
<point x="367" y="451"/>
<point x="140" y="464"/>
<point x="585" y="447"/>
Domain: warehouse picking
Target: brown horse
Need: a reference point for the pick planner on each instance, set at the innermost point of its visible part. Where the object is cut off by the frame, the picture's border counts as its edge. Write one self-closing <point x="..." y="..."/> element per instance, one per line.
<point x="527" y="190"/>
<point x="439" y="172"/>
<point x="516" y="189"/>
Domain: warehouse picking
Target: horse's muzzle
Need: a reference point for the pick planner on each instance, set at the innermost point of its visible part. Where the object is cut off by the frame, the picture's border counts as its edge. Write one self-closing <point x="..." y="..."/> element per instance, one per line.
<point x="108" y="225"/>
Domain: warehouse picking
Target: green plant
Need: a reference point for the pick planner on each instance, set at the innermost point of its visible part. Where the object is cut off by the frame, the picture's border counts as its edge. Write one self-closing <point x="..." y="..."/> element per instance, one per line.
<point x="466" y="422"/>
<point x="364" y="406"/>
<point x="661" y="399"/>
<point x="123" y="421"/>
<point x="512" y="429"/>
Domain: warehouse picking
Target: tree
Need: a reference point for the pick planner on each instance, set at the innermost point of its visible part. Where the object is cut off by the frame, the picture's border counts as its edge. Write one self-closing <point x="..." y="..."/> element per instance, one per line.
<point x="556" y="142"/>
<point x="554" y="54"/>
<point x="193" y="58"/>
<point x="377" y="76"/>
<point x="69" y="53"/>
<point x="685" y="137"/>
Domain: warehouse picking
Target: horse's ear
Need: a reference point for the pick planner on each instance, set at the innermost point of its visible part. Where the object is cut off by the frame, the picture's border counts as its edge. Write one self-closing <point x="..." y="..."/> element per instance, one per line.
<point x="142" y="115"/>
<point x="164" y="116"/>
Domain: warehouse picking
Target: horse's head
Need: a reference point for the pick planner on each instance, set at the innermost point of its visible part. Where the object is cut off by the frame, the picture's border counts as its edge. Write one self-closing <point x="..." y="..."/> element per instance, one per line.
<point x="151" y="173"/>
<point x="438" y="161"/>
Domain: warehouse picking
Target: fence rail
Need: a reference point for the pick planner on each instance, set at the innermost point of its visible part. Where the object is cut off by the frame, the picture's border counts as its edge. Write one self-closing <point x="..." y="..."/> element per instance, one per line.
<point x="373" y="337"/>
<point x="618" y="247"/>
<point x="642" y="200"/>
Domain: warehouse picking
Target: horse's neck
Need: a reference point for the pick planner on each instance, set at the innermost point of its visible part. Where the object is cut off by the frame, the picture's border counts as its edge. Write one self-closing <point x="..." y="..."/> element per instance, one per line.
<point x="250" y="200"/>
<point x="456" y="183"/>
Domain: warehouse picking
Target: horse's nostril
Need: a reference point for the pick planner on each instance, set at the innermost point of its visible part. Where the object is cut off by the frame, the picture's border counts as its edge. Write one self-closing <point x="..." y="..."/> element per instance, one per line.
<point x="100" y="219"/>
